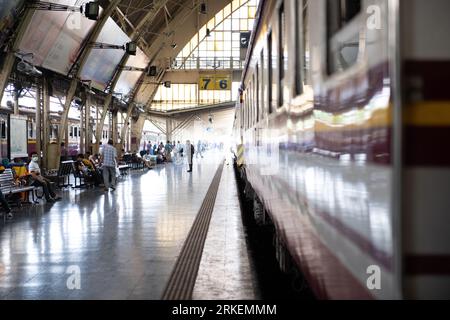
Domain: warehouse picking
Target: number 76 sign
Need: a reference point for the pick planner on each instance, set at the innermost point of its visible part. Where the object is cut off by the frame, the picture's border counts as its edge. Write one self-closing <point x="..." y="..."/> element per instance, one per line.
<point x="214" y="82"/>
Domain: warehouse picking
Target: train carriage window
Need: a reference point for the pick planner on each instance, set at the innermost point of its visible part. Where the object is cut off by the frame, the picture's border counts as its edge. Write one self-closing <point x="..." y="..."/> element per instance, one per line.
<point x="301" y="45"/>
<point x="249" y="105"/>
<point x="270" y="70"/>
<point x="256" y="93"/>
<point x="252" y="103"/>
<point x="3" y="129"/>
<point x="246" y="110"/>
<point x="30" y="129"/>
<point x="241" y="110"/>
<point x="281" y="52"/>
<point x="261" y="86"/>
<point x="343" y="34"/>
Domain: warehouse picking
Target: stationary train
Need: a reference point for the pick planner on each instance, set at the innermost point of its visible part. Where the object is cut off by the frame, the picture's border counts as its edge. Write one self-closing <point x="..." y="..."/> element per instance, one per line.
<point x="73" y="134"/>
<point x="341" y="136"/>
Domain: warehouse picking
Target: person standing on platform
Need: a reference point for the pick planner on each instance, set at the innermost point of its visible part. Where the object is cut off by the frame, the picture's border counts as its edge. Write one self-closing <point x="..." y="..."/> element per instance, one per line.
<point x="168" y="151"/>
<point x="180" y="149"/>
<point x="109" y="160"/>
<point x="190" y="150"/>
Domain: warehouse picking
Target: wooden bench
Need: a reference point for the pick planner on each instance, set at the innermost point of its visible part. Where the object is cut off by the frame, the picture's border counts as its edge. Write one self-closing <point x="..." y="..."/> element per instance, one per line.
<point x="9" y="188"/>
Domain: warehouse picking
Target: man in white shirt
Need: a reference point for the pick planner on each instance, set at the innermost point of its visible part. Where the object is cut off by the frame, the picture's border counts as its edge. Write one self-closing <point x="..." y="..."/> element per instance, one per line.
<point x="40" y="181"/>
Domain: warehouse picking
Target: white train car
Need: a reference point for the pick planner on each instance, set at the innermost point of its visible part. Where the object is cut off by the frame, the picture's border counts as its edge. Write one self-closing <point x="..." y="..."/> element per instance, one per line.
<point x="341" y="136"/>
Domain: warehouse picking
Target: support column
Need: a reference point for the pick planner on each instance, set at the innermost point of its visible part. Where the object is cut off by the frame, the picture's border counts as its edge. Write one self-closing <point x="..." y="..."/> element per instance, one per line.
<point x="114" y="128"/>
<point x="101" y="123"/>
<point x="66" y="137"/>
<point x="82" y="129"/>
<point x="16" y="102"/>
<point x="10" y="58"/>
<point x="65" y="114"/>
<point x="125" y="126"/>
<point x="45" y="124"/>
<point x="169" y="129"/>
<point x="87" y="123"/>
<point x="136" y="133"/>
<point x="38" y="119"/>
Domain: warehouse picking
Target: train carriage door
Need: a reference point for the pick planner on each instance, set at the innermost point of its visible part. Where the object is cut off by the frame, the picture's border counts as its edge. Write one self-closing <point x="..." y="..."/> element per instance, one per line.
<point x="301" y="48"/>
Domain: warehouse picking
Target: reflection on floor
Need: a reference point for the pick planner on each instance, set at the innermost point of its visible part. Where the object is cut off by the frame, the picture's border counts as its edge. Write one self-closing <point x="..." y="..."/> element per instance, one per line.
<point x="123" y="243"/>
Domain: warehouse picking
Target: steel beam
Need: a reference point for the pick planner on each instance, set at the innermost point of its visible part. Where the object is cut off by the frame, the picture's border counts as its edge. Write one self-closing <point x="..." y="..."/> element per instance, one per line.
<point x="82" y="61"/>
<point x="10" y="56"/>
<point x="125" y="124"/>
<point x="157" y="126"/>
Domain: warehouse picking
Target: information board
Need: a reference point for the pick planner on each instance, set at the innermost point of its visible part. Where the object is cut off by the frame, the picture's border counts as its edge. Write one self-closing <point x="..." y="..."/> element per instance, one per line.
<point x="18" y="135"/>
<point x="215" y="82"/>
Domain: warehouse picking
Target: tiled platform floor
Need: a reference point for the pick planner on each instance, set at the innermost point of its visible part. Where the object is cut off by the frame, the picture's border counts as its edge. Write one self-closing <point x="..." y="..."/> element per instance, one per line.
<point x="124" y="243"/>
<point x="225" y="271"/>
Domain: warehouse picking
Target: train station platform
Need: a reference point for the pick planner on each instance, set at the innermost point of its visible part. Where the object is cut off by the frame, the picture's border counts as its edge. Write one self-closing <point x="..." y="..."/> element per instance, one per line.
<point x="130" y="244"/>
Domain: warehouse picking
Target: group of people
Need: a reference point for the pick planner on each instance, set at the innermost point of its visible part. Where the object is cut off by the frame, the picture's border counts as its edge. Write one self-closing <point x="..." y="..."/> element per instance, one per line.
<point x="99" y="169"/>
<point x="162" y="152"/>
<point x="34" y="174"/>
<point x="166" y="152"/>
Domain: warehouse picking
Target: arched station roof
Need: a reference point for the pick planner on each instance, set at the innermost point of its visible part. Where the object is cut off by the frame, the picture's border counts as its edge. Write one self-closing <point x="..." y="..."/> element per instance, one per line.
<point x="61" y="42"/>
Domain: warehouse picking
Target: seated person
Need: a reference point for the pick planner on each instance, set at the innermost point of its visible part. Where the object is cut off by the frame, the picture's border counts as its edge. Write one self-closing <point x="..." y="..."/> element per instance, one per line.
<point x="87" y="162"/>
<point x="94" y="159"/>
<point x="147" y="160"/>
<point x="83" y="169"/>
<point x="93" y="169"/>
<point x="40" y="181"/>
<point x="5" y="164"/>
<point x="159" y="159"/>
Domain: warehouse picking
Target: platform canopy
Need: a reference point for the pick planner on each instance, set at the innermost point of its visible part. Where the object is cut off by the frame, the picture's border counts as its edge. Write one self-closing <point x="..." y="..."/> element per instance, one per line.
<point x="63" y="42"/>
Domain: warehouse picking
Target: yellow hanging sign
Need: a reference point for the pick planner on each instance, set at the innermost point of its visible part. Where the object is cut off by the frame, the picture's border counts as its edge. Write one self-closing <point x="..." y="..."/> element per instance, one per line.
<point x="214" y="82"/>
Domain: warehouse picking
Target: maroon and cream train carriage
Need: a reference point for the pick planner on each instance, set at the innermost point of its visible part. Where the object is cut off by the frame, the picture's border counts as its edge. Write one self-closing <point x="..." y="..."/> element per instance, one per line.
<point x="344" y="123"/>
<point x="73" y="132"/>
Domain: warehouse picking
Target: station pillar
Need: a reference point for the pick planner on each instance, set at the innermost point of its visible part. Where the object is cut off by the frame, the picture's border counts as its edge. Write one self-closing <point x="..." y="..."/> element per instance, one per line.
<point x="169" y="128"/>
<point x="136" y="133"/>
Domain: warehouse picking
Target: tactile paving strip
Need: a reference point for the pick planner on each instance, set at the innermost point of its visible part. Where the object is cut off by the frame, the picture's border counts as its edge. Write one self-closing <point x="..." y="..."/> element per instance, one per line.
<point x="182" y="280"/>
